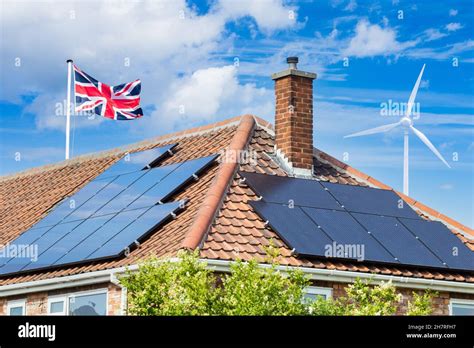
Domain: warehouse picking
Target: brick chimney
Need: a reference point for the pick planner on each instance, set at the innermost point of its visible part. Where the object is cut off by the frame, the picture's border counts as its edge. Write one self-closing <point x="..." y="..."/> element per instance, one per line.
<point x="294" y="118"/>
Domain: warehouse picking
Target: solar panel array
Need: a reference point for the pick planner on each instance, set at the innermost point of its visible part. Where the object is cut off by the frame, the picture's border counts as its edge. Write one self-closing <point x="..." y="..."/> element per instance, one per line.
<point x="109" y="215"/>
<point x="311" y="216"/>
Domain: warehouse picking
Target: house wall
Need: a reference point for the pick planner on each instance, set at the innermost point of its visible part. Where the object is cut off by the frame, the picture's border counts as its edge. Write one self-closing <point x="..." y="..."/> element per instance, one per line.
<point x="37" y="303"/>
<point x="440" y="302"/>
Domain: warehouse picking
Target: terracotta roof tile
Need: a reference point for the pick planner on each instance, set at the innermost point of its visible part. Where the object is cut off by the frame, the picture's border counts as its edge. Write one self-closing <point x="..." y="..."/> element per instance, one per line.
<point x="236" y="232"/>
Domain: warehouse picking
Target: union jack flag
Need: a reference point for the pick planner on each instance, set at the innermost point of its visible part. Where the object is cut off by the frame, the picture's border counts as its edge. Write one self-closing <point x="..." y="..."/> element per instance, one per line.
<point x="120" y="102"/>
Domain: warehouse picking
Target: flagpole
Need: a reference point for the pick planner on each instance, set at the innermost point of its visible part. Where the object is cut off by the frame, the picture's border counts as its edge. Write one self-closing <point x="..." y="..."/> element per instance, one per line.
<point x="68" y="105"/>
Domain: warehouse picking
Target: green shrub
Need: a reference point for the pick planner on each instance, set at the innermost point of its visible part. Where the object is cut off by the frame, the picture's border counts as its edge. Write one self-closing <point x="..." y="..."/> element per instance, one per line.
<point x="188" y="287"/>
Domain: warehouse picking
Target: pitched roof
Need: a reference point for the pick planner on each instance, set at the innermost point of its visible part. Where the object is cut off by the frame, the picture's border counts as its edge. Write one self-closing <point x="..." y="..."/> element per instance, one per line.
<point x="217" y="219"/>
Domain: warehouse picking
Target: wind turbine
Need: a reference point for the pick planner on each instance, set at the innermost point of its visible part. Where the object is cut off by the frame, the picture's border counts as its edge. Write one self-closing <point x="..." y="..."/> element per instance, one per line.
<point x="407" y="123"/>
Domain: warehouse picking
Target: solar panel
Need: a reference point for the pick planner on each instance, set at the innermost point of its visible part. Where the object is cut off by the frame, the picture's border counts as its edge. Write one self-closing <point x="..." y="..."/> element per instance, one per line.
<point x="40" y="243"/>
<point x="68" y="239"/>
<point x="294" y="227"/>
<point x="24" y="240"/>
<point x="100" y="236"/>
<point x="375" y="219"/>
<point x="104" y="196"/>
<point x="104" y="219"/>
<point x="67" y="205"/>
<point x="136" y="231"/>
<point x="398" y="240"/>
<point x="174" y="182"/>
<point x="344" y="230"/>
<point x="104" y="236"/>
<point x="283" y="190"/>
<point x="136" y="189"/>
<point x="137" y="161"/>
<point x="362" y="199"/>
<point x="440" y="240"/>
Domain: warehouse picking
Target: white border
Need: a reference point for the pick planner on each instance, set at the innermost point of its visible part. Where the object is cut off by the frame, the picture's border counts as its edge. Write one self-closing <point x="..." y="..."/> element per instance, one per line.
<point x="460" y="301"/>
<point x="17" y="303"/>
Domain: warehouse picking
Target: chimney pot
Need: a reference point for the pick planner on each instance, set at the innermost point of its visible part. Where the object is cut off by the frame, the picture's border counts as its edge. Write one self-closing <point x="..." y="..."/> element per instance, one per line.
<point x="292" y="61"/>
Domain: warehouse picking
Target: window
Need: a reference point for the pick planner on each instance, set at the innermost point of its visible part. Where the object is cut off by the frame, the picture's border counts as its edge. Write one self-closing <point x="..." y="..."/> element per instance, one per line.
<point x="89" y="304"/>
<point x="81" y="303"/>
<point x="313" y="292"/>
<point x="57" y="305"/>
<point x="16" y="307"/>
<point x="461" y="307"/>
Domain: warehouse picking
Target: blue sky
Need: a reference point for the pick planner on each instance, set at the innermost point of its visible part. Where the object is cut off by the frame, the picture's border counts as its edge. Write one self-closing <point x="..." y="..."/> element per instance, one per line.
<point x="214" y="59"/>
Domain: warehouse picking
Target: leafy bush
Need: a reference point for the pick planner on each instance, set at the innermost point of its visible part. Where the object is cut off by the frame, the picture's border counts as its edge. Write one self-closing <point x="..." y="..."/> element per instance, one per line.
<point x="421" y="304"/>
<point x="188" y="287"/>
<point x="171" y="288"/>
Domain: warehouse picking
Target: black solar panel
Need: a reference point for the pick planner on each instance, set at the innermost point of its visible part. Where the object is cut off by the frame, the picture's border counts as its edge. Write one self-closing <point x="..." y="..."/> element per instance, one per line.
<point x="67" y="205"/>
<point x="104" y="196"/>
<point x="99" y="236"/>
<point x="294" y="227"/>
<point x="377" y="220"/>
<point x="179" y="177"/>
<point x="105" y="217"/>
<point x="343" y="229"/>
<point x="398" y="240"/>
<point x="136" y="231"/>
<point x="285" y="190"/>
<point x="369" y="200"/>
<point x="135" y="190"/>
<point x="441" y="241"/>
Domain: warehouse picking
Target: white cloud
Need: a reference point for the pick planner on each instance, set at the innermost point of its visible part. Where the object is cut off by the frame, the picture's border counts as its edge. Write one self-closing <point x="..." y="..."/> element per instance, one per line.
<point x="371" y="40"/>
<point x="50" y="110"/>
<point x="209" y="93"/>
<point x="441" y="53"/>
<point x="202" y="93"/>
<point x="453" y="12"/>
<point x="270" y="15"/>
<point x="351" y="6"/>
<point x="446" y="186"/>
<point x="162" y="40"/>
<point x="433" y="34"/>
<point x="453" y="26"/>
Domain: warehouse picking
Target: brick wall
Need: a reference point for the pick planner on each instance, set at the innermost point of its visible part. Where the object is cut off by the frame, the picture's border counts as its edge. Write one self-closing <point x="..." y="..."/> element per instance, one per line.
<point x="37" y="303"/>
<point x="294" y="119"/>
<point x="440" y="302"/>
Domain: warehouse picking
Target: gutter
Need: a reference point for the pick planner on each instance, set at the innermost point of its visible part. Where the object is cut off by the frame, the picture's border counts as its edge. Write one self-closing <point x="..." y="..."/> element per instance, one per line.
<point x="110" y="276"/>
<point x="81" y="279"/>
<point x="349" y="277"/>
<point x="89" y="278"/>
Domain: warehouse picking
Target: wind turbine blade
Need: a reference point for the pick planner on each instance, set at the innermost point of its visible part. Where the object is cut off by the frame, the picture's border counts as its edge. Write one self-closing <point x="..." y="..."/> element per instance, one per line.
<point x="411" y="101"/>
<point x="428" y="143"/>
<point x="375" y="130"/>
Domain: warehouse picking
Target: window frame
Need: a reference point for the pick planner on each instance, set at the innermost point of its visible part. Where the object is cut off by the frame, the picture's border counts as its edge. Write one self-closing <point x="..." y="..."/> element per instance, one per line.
<point x="460" y="301"/>
<point x="17" y="303"/>
<point x="66" y="298"/>
<point x="57" y="298"/>
<point x="318" y="290"/>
